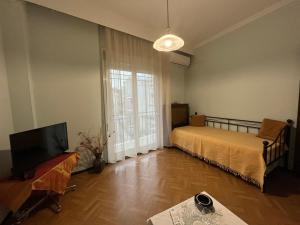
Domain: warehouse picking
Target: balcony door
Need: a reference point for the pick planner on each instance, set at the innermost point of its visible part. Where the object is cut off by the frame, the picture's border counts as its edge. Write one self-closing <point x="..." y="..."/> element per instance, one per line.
<point x="134" y="113"/>
<point x="136" y="87"/>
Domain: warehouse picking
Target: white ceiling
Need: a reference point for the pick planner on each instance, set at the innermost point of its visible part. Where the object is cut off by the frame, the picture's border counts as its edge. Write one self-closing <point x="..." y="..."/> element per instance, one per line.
<point x="196" y="21"/>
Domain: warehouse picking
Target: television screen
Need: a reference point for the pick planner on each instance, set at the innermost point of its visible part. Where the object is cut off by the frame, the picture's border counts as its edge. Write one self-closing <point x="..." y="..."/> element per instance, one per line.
<point x="31" y="148"/>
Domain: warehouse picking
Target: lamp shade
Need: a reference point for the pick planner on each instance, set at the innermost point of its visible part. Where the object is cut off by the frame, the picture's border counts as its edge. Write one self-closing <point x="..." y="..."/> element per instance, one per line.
<point x="168" y="43"/>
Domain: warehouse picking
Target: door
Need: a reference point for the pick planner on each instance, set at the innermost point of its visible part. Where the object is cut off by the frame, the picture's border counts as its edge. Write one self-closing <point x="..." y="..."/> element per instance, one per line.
<point x="297" y="149"/>
<point x="133" y="114"/>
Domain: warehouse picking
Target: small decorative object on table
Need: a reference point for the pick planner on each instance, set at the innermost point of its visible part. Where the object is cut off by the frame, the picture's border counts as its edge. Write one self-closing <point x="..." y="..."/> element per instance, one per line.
<point x="96" y="145"/>
<point x="204" y="203"/>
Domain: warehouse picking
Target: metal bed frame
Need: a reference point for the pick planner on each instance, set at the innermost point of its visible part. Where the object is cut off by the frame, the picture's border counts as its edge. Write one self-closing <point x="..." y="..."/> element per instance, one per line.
<point x="274" y="152"/>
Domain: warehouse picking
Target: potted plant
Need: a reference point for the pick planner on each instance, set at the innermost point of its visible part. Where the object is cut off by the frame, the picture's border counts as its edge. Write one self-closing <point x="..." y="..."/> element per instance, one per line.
<point x="96" y="145"/>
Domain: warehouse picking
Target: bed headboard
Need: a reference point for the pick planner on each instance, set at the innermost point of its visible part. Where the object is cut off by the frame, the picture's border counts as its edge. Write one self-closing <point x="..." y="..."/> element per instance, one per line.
<point x="233" y="124"/>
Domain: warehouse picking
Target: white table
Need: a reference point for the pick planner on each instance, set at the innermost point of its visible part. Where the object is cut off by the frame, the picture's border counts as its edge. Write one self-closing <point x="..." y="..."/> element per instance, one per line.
<point x="222" y="215"/>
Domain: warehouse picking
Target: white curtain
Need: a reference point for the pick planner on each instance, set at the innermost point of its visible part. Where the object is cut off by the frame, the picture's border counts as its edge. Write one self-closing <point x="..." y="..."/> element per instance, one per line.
<point x="137" y="101"/>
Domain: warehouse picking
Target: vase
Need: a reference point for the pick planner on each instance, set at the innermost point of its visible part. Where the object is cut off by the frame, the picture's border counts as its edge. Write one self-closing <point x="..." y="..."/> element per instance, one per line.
<point x="99" y="164"/>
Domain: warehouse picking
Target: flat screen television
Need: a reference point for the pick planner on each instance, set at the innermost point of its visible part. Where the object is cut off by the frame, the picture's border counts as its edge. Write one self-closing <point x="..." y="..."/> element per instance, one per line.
<point x="31" y="148"/>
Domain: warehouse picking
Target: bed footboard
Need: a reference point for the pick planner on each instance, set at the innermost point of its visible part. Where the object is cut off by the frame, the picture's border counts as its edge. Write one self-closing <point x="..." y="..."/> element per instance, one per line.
<point x="279" y="147"/>
<point x="277" y="150"/>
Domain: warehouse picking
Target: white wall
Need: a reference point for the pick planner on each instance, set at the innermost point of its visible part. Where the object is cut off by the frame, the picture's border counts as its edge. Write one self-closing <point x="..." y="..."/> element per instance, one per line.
<point x="14" y="33"/>
<point x="177" y="82"/>
<point x="251" y="73"/>
<point x="65" y="64"/>
<point x="53" y="72"/>
<point x="6" y="124"/>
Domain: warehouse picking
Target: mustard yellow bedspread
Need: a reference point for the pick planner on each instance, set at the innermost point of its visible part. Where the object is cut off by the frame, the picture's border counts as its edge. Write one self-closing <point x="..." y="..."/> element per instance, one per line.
<point x="239" y="153"/>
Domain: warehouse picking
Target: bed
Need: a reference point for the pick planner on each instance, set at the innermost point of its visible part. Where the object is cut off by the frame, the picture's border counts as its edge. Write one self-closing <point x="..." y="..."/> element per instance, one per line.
<point x="233" y="145"/>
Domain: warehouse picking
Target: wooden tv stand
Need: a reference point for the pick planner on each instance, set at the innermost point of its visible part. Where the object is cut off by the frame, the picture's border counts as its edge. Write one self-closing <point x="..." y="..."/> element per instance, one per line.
<point x="51" y="178"/>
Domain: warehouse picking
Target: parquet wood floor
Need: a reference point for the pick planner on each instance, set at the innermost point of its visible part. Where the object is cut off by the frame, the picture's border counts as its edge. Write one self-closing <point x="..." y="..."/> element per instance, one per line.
<point x="129" y="192"/>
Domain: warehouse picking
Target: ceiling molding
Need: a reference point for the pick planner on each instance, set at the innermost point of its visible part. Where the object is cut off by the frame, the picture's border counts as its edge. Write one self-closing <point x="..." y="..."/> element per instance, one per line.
<point x="244" y="22"/>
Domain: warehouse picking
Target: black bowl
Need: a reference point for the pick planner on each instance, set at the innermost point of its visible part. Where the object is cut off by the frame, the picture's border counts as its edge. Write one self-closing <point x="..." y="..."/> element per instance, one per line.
<point x="203" y="202"/>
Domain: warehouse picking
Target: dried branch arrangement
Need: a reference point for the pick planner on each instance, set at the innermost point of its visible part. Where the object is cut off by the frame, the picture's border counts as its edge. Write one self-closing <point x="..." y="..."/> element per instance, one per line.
<point x="95" y="144"/>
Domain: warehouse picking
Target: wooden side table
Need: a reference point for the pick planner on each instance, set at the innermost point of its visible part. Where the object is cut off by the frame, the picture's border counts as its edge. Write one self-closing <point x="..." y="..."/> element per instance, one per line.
<point x="51" y="176"/>
<point x="173" y="216"/>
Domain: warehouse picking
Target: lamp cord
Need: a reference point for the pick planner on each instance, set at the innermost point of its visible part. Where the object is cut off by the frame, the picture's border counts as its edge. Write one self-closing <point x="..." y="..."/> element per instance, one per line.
<point x="168" y="21"/>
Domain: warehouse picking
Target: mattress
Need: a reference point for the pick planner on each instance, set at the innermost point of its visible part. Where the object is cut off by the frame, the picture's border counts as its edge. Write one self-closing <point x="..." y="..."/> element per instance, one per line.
<point x="238" y="153"/>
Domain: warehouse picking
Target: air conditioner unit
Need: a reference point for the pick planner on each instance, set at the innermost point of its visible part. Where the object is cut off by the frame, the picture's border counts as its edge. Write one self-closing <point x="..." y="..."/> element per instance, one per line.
<point x="180" y="59"/>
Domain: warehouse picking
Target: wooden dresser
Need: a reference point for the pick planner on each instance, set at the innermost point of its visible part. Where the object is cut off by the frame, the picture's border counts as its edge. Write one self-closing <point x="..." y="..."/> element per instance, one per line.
<point x="180" y="115"/>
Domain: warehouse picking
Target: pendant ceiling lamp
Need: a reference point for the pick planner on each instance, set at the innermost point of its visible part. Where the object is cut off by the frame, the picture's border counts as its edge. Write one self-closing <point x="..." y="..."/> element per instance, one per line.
<point x="168" y="42"/>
